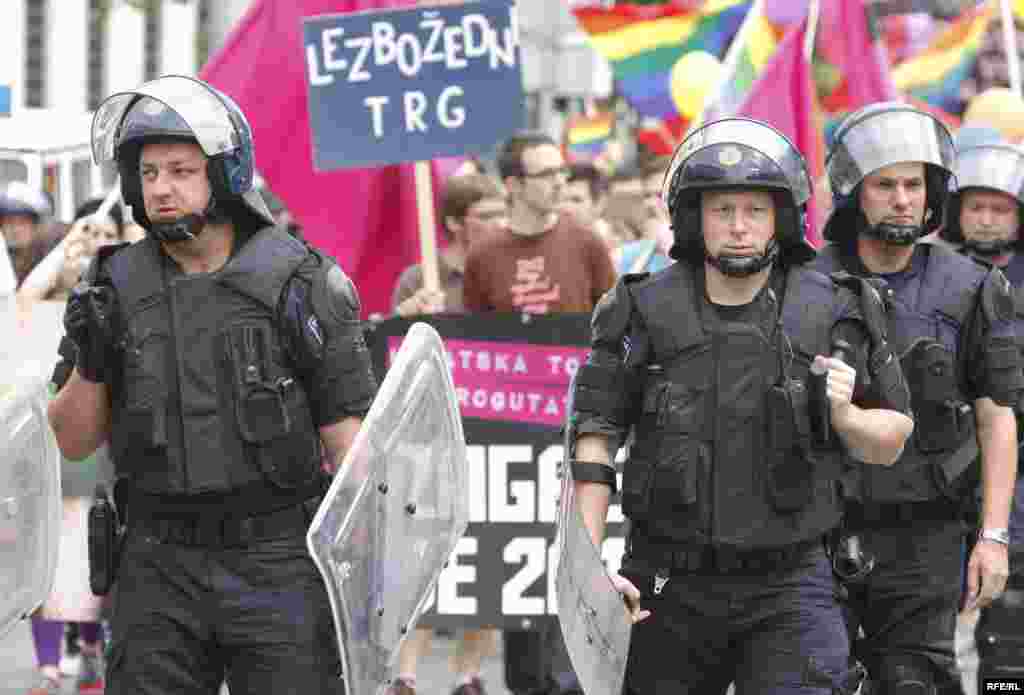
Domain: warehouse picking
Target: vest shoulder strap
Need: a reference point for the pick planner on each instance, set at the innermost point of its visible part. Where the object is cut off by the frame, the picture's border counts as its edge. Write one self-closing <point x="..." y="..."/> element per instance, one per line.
<point x="263" y="266"/>
<point x="136" y="272"/>
<point x="809" y="309"/>
<point x="951" y="283"/>
<point x="667" y="303"/>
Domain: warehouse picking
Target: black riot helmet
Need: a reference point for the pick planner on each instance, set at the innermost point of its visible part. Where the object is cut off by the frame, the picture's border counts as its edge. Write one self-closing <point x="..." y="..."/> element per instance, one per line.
<point x="738" y="153"/>
<point x="872" y="138"/>
<point x="992" y="167"/>
<point x="178" y="108"/>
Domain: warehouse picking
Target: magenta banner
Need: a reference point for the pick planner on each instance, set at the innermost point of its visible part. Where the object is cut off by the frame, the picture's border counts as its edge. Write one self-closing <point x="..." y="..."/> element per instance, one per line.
<point x="509" y="381"/>
<point x="512" y="373"/>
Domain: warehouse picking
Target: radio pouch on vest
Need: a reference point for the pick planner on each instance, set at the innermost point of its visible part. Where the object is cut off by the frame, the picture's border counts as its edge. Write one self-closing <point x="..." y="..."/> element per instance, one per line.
<point x="789" y="470"/>
<point x="930" y="369"/>
<point x="105" y="533"/>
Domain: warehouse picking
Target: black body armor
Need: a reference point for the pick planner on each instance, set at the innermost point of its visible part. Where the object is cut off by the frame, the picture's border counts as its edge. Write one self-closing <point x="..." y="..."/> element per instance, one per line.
<point x="205" y="399"/>
<point x="930" y="321"/>
<point x="724" y="450"/>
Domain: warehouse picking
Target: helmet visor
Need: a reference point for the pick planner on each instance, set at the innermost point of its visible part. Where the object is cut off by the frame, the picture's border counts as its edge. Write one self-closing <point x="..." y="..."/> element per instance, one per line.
<point x="997" y="167"/>
<point x="203" y="111"/>
<point x="748" y="133"/>
<point x="884" y="137"/>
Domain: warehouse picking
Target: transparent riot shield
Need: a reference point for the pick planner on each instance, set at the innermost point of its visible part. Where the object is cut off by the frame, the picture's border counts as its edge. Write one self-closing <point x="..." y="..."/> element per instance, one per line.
<point x="30" y="501"/>
<point x="398" y="505"/>
<point x="594" y="620"/>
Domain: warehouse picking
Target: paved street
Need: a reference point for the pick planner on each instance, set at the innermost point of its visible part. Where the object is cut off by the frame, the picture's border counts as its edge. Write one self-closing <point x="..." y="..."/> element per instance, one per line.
<point x="17" y="666"/>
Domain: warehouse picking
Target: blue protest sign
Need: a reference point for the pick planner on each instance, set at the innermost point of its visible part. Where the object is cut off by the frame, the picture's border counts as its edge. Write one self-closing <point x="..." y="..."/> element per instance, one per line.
<point x="407" y="85"/>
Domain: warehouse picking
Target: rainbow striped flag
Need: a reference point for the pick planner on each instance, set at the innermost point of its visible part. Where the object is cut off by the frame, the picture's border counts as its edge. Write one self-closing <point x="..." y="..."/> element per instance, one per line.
<point x="935" y="76"/>
<point x="586" y="137"/>
<point x="749" y="54"/>
<point x="644" y="40"/>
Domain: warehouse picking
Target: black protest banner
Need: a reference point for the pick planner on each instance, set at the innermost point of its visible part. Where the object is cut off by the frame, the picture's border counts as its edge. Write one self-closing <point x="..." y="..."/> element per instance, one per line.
<point x="511" y="374"/>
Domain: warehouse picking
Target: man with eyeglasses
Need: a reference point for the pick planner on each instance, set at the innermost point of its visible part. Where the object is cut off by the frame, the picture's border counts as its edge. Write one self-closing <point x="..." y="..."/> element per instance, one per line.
<point x="542" y="262"/>
<point x="472" y="208"/>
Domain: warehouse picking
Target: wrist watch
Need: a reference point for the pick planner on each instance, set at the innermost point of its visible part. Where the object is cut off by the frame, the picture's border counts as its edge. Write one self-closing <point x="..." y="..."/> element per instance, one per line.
<point x="996" y="535"/>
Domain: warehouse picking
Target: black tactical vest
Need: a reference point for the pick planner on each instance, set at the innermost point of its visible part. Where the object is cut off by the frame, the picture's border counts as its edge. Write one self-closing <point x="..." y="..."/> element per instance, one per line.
<point x="720" y="455"/>
<point x="927" y="322"/>
<point x="205" y="399"/>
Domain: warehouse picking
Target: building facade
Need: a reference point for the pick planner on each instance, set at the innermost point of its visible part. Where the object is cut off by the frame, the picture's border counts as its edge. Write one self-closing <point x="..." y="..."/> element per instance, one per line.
<point x="66" y="60"/>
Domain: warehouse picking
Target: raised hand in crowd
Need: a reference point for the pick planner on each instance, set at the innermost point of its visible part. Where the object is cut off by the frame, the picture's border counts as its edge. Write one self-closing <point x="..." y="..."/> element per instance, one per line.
<point x="423" y="301"/>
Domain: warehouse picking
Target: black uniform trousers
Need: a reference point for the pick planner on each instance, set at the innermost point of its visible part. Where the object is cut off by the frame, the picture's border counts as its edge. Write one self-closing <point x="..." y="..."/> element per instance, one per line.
<point x="773" y="631"/>
<point x="907" y="606"/>
<point x="188" y="617"/>
<point x="1000" y="631"/>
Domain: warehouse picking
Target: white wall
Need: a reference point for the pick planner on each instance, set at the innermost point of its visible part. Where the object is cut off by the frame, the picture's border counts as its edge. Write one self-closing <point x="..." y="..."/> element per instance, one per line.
<point x="179" y="22"/>
<point x="224" y="15"/>
<point x="12" y="52"/>
<point x="126" y="50"/>
<point x="555" y="52"/>
<point x="67" y="50"/>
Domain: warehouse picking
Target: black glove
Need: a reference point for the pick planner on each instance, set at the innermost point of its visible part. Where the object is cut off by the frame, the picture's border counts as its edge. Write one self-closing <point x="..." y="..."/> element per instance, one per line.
<point x="88" y="321"/>
<point x="883" y="367"/>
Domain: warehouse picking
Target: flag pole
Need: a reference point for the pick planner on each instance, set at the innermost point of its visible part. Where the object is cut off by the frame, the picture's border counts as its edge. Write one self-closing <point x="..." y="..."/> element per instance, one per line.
<point x="427" y="226"/>
<point x="813" y="12"/>
<point x="1010" y="45"/>
<point x="728" y="63"/>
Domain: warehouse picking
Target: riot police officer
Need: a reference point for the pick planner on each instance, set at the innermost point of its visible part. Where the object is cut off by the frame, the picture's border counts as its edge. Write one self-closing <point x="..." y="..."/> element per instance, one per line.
<point x="718" y="369"/>
<point x="220" y="356"/>
<point x="983" y="220"/>
<point x="951" y="324"/>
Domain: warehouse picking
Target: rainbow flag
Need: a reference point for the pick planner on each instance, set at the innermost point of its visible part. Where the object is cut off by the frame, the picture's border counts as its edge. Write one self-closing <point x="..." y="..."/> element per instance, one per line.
<point x="586" y="137"/>
<point x="644" y="41"/>
<point x="749" y="54"/>
<point x="936" y="75"/>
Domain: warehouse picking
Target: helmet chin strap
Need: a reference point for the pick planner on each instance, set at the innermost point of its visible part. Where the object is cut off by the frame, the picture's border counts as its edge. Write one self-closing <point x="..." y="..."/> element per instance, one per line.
<point x="743" y="266"/>
<point x="996" y="247"/>
<point x="185" y="228"/>
<point x="901" y="234"/>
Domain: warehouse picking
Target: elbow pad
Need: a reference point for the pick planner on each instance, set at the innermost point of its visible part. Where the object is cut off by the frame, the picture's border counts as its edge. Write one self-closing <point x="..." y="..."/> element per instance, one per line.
<point x="600" y="386"/>
<point x="336" y="303"/>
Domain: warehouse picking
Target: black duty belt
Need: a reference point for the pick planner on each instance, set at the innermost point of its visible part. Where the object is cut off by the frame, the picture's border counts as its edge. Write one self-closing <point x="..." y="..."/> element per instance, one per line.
<point x="901" y="513"/>
<point x="678" y="558"/>
<point x="216" y="531"/>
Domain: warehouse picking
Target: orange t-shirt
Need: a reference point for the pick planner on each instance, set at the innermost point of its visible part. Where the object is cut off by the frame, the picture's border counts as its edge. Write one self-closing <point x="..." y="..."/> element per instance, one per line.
<point x="564" y="270"/>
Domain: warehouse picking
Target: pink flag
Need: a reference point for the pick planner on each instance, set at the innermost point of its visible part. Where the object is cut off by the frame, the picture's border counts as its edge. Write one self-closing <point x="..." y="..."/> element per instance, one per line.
<point x="849" y="38"/>
<point x="864" y="60"/>
<point x="783" y="96"/>
<point x="366" y="218"/>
